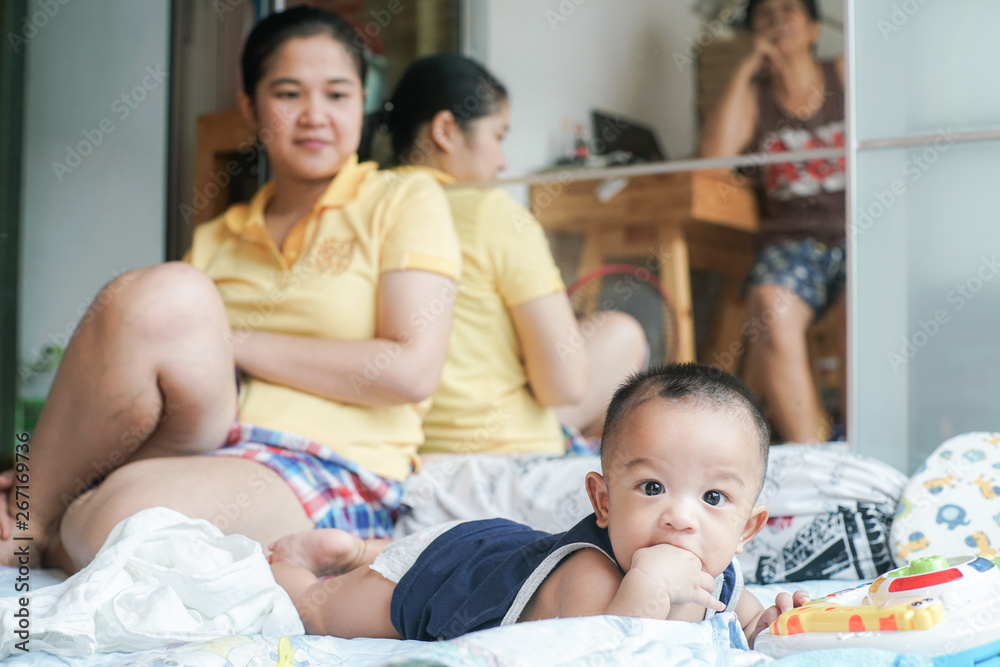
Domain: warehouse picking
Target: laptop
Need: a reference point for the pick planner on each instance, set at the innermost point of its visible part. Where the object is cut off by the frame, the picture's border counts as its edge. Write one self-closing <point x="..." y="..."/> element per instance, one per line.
<point x="612" y="132"/>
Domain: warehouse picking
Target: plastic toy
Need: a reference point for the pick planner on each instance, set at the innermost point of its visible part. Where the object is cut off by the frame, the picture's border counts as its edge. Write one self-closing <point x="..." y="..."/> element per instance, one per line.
<point x="936" y="606"/>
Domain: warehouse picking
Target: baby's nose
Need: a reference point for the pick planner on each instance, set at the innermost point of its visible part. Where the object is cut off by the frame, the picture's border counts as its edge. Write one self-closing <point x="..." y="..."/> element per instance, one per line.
<point x="677" y="516"/>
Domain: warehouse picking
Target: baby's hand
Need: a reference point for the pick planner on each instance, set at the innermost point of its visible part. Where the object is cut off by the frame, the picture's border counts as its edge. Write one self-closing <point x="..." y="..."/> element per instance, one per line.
<point x="676" y="574"/>
<point x="782" y="603"/>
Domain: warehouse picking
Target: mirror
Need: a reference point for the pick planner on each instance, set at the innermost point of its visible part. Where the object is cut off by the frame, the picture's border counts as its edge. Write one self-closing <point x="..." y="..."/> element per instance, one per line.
<point x="659" y="63"/>
<point x="655" y="69"/>
<point x="662" y="66"/>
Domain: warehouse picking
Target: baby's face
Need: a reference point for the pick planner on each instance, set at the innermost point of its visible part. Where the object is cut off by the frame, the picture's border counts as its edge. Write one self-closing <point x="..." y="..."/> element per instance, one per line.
<point x="686" y="476"/>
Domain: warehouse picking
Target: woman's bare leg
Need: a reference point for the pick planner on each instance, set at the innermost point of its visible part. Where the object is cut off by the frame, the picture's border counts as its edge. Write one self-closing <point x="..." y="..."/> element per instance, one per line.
<point x="777" y="362"/>
<point x="352" y="605"/>
<point x="237" y="495"/>
<point x="616" y="346"/>
<point x="148" y="373"/>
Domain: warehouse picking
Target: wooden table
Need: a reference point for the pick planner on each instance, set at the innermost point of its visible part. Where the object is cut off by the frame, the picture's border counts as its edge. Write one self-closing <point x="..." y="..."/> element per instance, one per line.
<point x="677" y="221"/>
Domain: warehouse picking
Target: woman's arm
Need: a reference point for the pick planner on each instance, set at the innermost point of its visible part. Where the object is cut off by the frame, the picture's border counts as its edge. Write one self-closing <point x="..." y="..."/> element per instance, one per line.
<point x="729" y="128"/>
<point x="555" y="357"/>
<point x="401" y="364"/>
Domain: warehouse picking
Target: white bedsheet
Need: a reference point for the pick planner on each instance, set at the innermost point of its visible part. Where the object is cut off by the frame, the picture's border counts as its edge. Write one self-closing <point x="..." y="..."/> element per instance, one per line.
<point x="596" y="640"/>
<point x="160" y="578"/>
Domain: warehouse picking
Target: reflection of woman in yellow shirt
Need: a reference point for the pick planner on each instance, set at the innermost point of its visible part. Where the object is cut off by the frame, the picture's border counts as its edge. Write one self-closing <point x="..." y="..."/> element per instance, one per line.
<point x="516" y="348"/>
<point x="309" y="290"/>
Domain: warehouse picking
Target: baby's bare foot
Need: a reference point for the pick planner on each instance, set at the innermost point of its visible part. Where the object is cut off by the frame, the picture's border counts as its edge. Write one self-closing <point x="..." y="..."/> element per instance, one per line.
<point x="322" y="551"/>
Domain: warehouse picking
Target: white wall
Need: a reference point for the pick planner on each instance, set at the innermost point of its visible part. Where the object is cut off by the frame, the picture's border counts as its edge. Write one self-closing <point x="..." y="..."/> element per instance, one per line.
<point x="96" y="84"/>
<point x="560" y="58"/>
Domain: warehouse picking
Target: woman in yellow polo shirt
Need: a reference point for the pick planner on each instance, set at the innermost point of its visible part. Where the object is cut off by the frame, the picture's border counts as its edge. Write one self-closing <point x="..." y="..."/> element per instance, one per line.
<point x="310" y="290"/>
<point x="516" y="349"/>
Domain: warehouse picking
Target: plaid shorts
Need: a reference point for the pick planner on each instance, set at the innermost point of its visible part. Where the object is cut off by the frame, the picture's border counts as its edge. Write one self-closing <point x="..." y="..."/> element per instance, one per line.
<point x="334" y="492"/>
<point x="814" y="271"/>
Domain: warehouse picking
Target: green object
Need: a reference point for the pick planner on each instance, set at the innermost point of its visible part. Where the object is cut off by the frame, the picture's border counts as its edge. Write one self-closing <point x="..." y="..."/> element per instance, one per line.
<point x="922" y="566"/>
<point x="30" y="407"/>
<point x="47" y="360"/>
<point x="27" y="414"/>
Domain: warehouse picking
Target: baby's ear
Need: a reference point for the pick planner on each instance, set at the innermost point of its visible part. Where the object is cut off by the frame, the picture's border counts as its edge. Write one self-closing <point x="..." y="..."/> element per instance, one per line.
<point x="755" y="523"/>
<point x="597" y="489"/>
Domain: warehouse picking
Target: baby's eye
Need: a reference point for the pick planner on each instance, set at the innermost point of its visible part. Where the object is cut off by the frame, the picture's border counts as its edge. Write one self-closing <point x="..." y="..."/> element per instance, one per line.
<point x="713" y="498"/>
<point x="652" y="488"/>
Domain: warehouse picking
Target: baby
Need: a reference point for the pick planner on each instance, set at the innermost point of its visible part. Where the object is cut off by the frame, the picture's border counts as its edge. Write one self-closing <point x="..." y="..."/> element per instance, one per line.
<point x="683" y="458"/>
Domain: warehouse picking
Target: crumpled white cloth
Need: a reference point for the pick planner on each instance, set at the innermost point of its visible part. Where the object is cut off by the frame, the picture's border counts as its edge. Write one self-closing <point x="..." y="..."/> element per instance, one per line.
<point x="160" y="578"/>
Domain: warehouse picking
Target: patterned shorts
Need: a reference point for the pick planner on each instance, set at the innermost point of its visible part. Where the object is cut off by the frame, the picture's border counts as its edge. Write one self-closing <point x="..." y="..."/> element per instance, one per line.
<point x="334" y="492"/>
<point x="814" y="271"/>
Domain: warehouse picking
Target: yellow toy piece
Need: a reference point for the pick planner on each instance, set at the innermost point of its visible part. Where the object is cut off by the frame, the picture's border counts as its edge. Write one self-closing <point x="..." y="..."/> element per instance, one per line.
<point x="821" y="616"/>
<point x="927" y="607"/>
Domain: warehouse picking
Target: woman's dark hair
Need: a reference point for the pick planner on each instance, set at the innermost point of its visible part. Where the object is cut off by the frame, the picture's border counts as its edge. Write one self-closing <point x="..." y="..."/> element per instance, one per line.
<point x="810" y="5"/>
<point x="442" y="82"/>
<point x="273" y="31"/>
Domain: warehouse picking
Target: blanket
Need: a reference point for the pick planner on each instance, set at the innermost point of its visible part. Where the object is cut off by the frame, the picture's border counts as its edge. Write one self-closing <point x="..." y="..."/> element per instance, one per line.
<point x="160" y="578"/>
<point x="165" y="638"/>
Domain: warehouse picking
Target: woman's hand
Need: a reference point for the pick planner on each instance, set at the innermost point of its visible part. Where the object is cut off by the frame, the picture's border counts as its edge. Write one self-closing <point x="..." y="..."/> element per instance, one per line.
<point x="730" y="126"/>
<point x="764" y="56"/>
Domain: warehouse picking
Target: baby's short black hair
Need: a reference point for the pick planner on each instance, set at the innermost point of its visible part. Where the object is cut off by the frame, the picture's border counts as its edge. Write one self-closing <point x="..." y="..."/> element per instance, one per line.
<point x="703" y="386"/>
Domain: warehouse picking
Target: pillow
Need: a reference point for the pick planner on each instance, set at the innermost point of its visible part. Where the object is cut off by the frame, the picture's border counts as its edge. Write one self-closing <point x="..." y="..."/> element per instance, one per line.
<point x="544" y="492"/>
<point x="951" y="504"/>
<point x="830" y="514"/>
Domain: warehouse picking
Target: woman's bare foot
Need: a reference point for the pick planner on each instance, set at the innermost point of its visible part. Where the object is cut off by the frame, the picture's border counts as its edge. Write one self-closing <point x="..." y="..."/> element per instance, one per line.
<point x="322" y="551"/>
